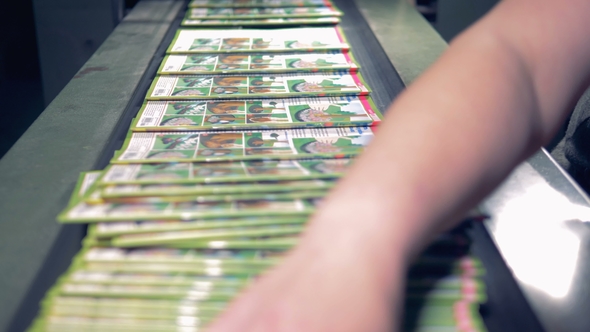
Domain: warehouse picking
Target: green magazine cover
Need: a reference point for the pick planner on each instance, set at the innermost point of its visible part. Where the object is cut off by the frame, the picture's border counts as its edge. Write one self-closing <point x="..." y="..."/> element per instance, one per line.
<point x="272" y="243"/>
<point x="103" y="312"/>
<point x="142" y="307"/>
<point x="305" y="194"/>
<point x="243" y="145"/>
<point x="211" y="262"/>
<point x="258" y="3"/>
<point x="176" y="260"/>
<point x="84" y="213"/>
<point x="255" y="22"/>
<point x="154" y="279"/>
<point x="194" y="269"/>
<point x="180" y="256"/>
<point x="210" y="41"/>
<point x="166" y="238"/>
<point x="266" y="242"/>
<point x="148" y="292"/>
<point x="130" y="307"/>
<point x="224" y="172"/>
<point x="86" y="188"/>
<point x="109" y="230"/>
<point x="197" y="64"/>
<point x="86" y="180"/>
<point x="324" y="84"/>
<point x="260" y="12"/>
<point x="111" y="193"/>
<point x="344" y="111"/>
<point x="77" y="324"/>
<point x="201" y="269"/>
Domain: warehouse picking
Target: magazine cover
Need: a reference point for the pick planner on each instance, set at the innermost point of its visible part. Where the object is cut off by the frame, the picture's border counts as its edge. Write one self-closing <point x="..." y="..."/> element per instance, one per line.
<point x="197" y="269"/>
<point x="134" y="308"/>
<point x="83" y="323"/>
<point x="247" y="114"/>
<point x="259" y="3"/>
<point x="86" y="180"/>
<point x="180" y="256"/>
<point x="165" y="238"/>
<point x="328" y="84"/>
<point x="255" y="22"/>
<point x="243" y="145"/>
<point x="224" y="172"/>
<point x="82" y="212"/>
<point x="265" y="242"/>
<point x="258" y="40"/>
<point x="260" y="187"/>
<point x="176" y="64"/>
<point x="302" y="194"/>
<point x="260" y="12"/>
<point x="80" y="276"/>
<point x="108" y="230"/>
<point x="147" y="292"/>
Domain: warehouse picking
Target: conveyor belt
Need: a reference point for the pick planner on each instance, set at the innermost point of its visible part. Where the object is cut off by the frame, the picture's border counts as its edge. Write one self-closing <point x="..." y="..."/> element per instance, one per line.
<point x="88" y="121"/>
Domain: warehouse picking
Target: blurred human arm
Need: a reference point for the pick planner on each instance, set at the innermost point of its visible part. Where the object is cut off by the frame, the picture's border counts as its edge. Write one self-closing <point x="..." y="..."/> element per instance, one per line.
<point x="499" y="92"/>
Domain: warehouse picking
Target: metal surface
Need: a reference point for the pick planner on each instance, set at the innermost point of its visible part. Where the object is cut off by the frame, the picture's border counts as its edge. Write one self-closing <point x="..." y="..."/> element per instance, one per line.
<point x="454" y="16"/>
<point x="38" y="174"/>
<point x="538" y="225"/>
<point x="409" y="41"/>
<point x="375" y="66"/>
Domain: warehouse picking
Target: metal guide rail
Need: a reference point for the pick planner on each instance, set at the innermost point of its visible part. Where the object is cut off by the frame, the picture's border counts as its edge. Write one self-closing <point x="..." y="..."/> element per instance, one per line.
<point x="88" y="121"/>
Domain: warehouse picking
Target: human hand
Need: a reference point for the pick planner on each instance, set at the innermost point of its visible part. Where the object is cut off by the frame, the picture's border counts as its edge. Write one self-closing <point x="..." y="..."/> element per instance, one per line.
<point x="315" y="289"/>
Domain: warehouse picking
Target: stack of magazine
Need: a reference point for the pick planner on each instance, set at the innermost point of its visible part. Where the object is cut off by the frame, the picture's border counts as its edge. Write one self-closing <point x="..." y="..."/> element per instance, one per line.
<point x="241" y="134"/>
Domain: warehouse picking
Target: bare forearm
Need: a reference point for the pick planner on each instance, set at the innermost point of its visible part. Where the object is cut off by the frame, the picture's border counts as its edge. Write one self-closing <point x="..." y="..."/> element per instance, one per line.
<point x="451" y="137"/>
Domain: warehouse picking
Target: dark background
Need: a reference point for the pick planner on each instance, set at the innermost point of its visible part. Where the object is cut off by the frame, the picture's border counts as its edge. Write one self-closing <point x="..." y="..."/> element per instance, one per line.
<point x="22" y="96"/>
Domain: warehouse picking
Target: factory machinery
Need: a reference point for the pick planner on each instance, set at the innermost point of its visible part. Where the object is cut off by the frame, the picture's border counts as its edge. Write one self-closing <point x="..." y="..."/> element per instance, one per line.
<point x="533" y="244"/>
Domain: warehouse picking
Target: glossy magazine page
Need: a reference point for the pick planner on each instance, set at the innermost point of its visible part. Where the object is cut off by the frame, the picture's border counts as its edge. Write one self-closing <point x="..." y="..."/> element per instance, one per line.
<point x="176" y="64"/>
<point x="328" y="84"/>
<point x="224" y="172"/>
<point x="243" y="145"/>
<point x="258" y="40"/>
<point x="254" y="114"/>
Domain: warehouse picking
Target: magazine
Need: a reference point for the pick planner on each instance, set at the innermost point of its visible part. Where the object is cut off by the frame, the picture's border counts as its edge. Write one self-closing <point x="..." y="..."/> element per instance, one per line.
<point x="260" y="12"/>
<point x="258" y="3"/>
<point x="255" y="22"/>
<point x="84" y="213"/>
<point x="243" y="145"/>
<point x="256" y="114"/>
<point x="328" y="84"/>
<point x="224" y="172"/>
<point x="197" y="64"/>
<point x="258" y="40"/>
